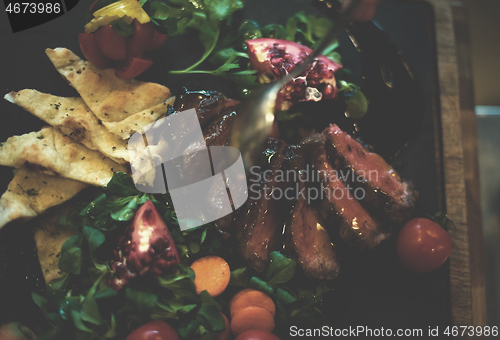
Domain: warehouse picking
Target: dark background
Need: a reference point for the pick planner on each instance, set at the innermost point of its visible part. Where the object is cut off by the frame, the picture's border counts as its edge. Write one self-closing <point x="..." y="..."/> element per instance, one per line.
<point x="373" y="290"/>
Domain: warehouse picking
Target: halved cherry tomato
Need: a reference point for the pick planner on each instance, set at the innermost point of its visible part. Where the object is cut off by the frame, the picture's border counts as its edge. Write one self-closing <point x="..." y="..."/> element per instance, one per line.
<point x="110" y="43"/>
<point x="423" y="245"/>
<point x="256" y="334"/>
<point x="91" y="51"/>
<point x="139" y="42"/>
<point x="157" y="40"/>
<point x="132" y="67"/>
<point x="154" y="330"/>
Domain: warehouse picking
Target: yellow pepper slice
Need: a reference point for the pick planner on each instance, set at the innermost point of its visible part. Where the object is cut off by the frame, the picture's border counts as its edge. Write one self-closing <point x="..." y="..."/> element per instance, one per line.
<point x="126" y="9"/>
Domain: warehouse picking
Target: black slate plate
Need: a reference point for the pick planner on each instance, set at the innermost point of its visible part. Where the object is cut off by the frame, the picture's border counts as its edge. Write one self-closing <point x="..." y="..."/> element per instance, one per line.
<point x="373" y="290"/>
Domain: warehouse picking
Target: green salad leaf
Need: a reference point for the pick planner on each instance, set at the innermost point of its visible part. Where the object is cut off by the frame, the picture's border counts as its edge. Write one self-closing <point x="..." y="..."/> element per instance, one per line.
<point x="72" y="255"/>
<point x="281" y="268"/>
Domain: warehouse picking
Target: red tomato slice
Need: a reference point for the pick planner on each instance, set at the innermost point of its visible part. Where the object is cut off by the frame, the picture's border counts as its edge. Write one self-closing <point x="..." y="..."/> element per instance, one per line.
<point x="139" y="42"/>
<point x="132" y="67"/>
<point x="110" y="43"/>
<point x="157" y="40"/>
<point x="91" y="51"/>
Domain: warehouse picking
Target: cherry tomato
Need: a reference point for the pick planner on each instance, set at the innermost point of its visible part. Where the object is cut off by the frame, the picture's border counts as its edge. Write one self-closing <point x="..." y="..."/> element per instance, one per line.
<point x="157" y="40"/>
<point x="140" y="41"/>
<point x="256" y="334"/>
<point x="110" y="43"/>
<point x="132" y="67"/>
<point x="154" y="330"/>
<point x="91" y="51"/>
<point x="423" y="245"/>
<point x="16" y="331"/>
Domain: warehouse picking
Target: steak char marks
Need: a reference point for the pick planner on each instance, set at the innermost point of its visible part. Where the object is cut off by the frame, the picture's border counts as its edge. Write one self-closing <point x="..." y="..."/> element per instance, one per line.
<point x="258" y="223"/>
<point x="384" y="190"/>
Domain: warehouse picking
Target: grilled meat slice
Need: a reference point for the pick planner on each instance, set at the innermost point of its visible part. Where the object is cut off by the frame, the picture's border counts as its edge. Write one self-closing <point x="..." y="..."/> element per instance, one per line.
<point x="217" y="132"/>
<point x="305" y="236"/>
<point x="384" y="190"/>
<point x="208" y="104"/>
<point x="339" y="207"/>
<point x="310" y="243"/>
<point x="195" y="157"/>
<point x="259" y="222"/>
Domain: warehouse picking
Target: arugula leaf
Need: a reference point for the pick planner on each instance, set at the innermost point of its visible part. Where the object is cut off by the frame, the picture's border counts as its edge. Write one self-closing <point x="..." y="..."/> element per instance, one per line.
<point x="240" y="277"/>
<point x="222" y="9"/>
<point x="58" y="285"/>
<point x="122" y="184"/>
<point x="143" y="301"/>
<point x="94" y="237"/>
<point x="103" y="212"/>
<point x="105" y="293"/>
<point x="90" y="310"/>
<point x="274" y="31"/>
<point x="180" y="284"/>
<point x="71" y="255"/>
<point x="70" y="221"/>
<point x="127" y="210"/>
<point x="209" y="313"/>
<point x="204" y="16"/>
<point x="122" y="28"/>
<point x="281" y="268"/>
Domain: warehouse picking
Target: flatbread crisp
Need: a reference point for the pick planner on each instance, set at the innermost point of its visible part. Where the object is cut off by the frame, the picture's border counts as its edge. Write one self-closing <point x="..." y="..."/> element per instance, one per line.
<point x="110" y="98"/>
<point x="55" y="151"/>
<point x="74" y="118"/>
<point x="30" y="193"/>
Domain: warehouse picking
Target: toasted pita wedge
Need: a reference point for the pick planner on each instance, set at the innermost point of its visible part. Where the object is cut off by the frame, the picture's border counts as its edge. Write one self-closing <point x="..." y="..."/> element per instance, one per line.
<point x="139" y="120"/>
<point x="30" y="193"/>
<point x="49" y="240"/>
<point x="110" y="98"/>
<point x="51" y="149"/>
<point x="74" y="118"/>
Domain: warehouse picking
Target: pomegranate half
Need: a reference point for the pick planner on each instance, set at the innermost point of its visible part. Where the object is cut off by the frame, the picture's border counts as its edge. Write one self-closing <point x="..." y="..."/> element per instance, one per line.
<point x="147" y="247"/>
<point x="275" y="58"/>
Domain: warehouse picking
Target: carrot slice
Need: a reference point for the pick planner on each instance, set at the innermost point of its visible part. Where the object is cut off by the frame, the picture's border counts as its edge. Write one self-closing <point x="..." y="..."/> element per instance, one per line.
<point x="251" y="297"/>
<point x="252" y="318"/>
<point x="212" y="274"/>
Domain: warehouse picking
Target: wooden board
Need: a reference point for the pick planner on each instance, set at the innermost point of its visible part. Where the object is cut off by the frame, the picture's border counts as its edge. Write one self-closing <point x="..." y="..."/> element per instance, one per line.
<point x="466" y="285"/>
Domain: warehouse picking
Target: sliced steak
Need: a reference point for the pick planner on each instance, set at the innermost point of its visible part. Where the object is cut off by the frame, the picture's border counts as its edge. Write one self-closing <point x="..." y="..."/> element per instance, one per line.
<point x="339" y="207"/>
<point x="258" y="223"/>
<point x="308" y="242"/>
<point x="383" y="188"/>
<point x="208" y="104"/>
<point x="306" y="239"/>
<point x="217" y="132"/>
